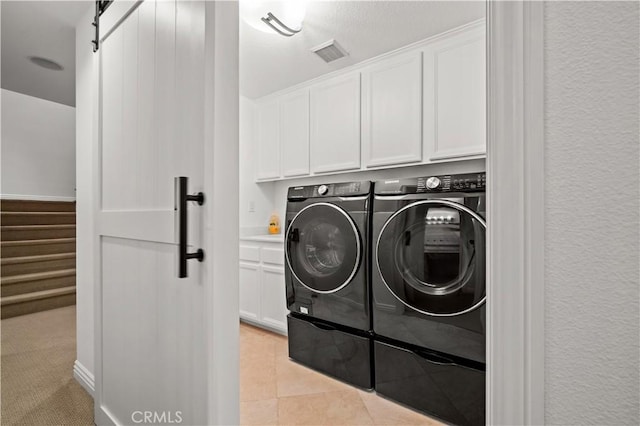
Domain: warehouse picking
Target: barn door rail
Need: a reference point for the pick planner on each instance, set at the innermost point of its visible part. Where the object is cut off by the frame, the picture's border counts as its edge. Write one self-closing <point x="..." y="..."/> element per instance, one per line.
<point x="101" y="6"/>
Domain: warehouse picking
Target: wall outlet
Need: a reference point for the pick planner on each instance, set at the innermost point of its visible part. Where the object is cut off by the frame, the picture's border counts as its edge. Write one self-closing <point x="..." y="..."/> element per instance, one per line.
<point x="252" y="206"/>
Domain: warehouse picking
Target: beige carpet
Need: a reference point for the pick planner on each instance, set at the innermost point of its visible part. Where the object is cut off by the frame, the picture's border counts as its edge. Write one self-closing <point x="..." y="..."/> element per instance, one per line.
<point x="37" y="387"/>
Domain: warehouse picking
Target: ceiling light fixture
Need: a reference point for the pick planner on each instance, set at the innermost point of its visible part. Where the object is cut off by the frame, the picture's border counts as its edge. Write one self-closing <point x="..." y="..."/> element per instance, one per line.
<point x="284" y="17"/>
<point x="283" y="30"/>
<point x="46" y="63"/>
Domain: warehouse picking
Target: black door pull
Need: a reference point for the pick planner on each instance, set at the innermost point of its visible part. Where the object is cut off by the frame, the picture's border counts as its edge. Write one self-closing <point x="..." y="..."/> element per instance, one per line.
<point x="182" y="184"/>
<point x="433" y="357"/>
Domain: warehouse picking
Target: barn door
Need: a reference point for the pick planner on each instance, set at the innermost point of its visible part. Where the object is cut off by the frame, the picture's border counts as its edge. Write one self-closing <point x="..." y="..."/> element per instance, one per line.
<point x="153" y="320"/>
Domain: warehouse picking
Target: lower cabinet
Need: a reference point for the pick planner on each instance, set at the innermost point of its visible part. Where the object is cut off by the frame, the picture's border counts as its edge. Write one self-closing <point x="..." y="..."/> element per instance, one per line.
<point x="262" y="289"/>
<point x="250" y="291"/>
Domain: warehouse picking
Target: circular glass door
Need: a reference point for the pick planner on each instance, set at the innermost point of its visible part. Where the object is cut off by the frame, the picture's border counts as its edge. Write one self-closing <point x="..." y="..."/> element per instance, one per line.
<point x="431" y="256"/>
<point x="323" y="247"/>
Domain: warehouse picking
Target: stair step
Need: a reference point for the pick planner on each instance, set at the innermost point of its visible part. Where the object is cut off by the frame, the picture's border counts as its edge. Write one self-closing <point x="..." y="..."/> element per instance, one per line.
<point x="37" y="276"/>
<point x="31" y="264"/>
<point x="37" y="301"/>
<point x="39" y="281"/>
<point x="37" y="218"/>
<point x="32" y="232"/>
<point x="37" y="247"/>
<point x="37" y="206"/>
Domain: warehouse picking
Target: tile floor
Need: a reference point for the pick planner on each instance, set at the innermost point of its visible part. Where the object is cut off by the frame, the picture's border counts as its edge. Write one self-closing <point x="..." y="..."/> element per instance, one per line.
<point x="275" y="390"/>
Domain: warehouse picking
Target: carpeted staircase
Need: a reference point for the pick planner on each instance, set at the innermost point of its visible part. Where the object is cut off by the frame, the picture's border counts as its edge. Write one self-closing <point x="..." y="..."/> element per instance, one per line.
<point x="38" y="256"/>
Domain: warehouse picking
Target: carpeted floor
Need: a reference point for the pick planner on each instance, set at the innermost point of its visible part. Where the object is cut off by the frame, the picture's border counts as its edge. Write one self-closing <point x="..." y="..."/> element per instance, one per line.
<point x="37" y="387"/>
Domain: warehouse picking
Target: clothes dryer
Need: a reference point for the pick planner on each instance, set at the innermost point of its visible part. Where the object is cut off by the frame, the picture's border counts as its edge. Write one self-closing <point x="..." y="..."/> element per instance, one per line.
<point x="428" y="287"/>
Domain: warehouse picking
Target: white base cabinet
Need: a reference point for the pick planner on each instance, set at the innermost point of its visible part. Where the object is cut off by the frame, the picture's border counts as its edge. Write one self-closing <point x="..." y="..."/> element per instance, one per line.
<point x="262" y="288"/>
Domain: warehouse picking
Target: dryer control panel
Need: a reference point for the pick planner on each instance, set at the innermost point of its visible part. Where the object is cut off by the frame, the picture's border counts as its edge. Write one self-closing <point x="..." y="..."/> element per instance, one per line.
<point x="468" y="182"/>
<point x="345" y="189"/>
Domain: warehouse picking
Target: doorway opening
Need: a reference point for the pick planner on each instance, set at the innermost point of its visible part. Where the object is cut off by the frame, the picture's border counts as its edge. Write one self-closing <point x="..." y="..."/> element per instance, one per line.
<point x="340" y="92"/>
<point x="38" y="208"/>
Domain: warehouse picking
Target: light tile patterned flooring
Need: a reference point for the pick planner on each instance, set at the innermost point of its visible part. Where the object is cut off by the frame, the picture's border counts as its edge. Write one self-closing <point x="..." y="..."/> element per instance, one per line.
<point x="275" y="390"/>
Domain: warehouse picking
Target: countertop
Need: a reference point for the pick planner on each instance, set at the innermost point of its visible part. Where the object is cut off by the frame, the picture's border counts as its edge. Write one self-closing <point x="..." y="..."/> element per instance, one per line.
<point x="264" y="238"/>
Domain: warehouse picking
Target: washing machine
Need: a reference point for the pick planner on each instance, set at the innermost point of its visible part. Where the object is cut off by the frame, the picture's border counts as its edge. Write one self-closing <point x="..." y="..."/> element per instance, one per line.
<point x="327" y="279"/>
<point x="428" y="294"/>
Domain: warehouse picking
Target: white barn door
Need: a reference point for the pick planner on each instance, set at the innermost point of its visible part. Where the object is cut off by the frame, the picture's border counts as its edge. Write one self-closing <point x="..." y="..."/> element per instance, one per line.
<point x="152" y="364"/>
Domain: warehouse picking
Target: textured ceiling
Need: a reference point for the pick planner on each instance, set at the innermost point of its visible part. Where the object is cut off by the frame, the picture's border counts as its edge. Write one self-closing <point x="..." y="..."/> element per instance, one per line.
<point x="41" y="28"/>
<point x="270" y="62"/>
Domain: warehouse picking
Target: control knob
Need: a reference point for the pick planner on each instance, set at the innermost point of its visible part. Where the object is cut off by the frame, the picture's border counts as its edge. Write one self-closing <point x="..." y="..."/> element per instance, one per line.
<point x="322" y="189"/>
<point x="433" y="182"/>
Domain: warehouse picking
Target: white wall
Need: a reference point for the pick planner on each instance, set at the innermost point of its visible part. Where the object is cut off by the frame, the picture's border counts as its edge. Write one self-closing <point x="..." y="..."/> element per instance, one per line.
<point x="271" y="197"/>
<point x="85" y="143"/>
<point x="260" y="196"/>
<point x="38" y="148"/>
<point x="592" y="213"/>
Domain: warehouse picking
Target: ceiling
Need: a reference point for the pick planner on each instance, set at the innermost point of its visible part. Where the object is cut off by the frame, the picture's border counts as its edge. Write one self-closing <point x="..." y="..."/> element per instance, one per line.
<point x="270" y="62"/>
<point x="46" y="29"/>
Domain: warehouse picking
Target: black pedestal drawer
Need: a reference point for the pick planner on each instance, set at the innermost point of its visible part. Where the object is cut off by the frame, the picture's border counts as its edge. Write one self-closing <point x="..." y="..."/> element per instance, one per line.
<point x="332" y="351"/>
<point x="430" y="383"/>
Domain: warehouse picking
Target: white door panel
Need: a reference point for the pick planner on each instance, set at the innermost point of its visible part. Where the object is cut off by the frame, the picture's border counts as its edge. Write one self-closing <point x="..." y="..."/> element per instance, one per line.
<point x="274" y="310"/>
<point x="268" y="137"/>
<point x="294" y="133"/>
<point x="249" y="291"/>
<point x="455" y="96"/>
<point x="392" y="111"/>
<point x="152" y="324"/>
<point x="335" y="124"/>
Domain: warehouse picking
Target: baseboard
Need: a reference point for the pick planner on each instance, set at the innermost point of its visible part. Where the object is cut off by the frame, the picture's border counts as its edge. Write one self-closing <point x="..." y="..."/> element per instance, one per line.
<point x="265" y="326"/>
<point x="36" y="197"/>
<point x="84" y="377"/>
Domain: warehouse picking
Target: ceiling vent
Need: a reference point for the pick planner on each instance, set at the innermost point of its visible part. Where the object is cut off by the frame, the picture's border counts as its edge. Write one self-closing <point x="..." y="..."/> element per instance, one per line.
<point x="330" y="51"/>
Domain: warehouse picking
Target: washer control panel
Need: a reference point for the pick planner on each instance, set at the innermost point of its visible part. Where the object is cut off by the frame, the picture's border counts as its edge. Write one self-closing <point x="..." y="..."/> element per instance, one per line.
<point x="468" y="182"/>
<point x="346" y="189"/>
<point x="465" y="183"/>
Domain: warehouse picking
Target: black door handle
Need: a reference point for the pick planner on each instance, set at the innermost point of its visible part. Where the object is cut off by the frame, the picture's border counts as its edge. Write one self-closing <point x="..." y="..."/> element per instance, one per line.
<point x="182" y="184"/>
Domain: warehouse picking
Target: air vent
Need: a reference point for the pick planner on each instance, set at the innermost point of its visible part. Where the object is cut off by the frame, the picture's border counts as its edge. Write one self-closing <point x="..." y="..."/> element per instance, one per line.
<point x="330" y="51"/>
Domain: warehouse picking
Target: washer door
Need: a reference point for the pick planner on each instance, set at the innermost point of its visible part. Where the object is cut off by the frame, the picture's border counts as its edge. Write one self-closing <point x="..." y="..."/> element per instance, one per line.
<point x="323" y="247"/>
<point x="431" y="256"/>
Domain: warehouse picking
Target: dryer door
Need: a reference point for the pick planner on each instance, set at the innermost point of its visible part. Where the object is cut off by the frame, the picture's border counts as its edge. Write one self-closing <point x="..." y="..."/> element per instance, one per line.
<point x="323" y="247"/>
<point x="431" y="256"/>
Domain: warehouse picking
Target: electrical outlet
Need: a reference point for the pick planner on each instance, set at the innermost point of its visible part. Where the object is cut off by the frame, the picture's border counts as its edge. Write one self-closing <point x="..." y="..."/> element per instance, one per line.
<point x="252" y="206"/>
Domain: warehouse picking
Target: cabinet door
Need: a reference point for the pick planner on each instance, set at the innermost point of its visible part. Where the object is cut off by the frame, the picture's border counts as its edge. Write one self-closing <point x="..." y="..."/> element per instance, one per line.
<point x="455" y="96"/>
<point x="274" y="307"/>
<point x="267" y="140"/>
<point x="249" y="291"/>
<point x="335" y="124"/>
<point x="392" y="111"/>
<point x="294" y="133"/>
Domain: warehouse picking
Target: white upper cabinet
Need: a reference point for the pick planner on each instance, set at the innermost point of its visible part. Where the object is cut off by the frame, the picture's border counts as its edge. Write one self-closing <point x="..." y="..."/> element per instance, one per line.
<point x="335" y="124"/>
<point x="268" y="140"/>
<point x="455" y="96"/>
<point x="294" y="133"/>
<point x="392" y="111"/>
<point x="421" y="104"/>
